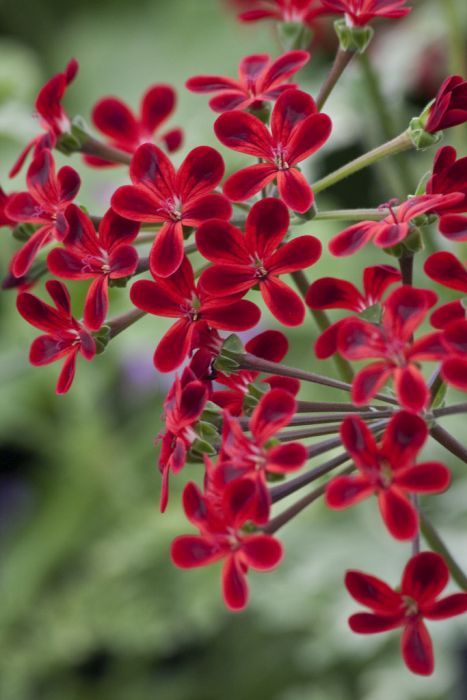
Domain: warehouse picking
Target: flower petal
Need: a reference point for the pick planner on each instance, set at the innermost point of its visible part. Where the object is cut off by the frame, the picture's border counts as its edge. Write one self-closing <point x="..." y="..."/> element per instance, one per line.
<point x="372" y="592"/>
<point x="403" y="439"/>
<point x="247" y="182"/>
<point x="205" y="207"/>
<point x="199" y="174"/>
<point x="282" y="68"/>
<point x="111" y="116"/>
<point x="221" y="242"/>
<point x="273" y="412"/>
<point x="297" y="254"/>
<point x="173" y="347"/>
<point x="428" y="477"/>
<point x="234" y="584"/>
<point x="286" y="458"/>
<point x="282" y="301"/>
<point x="352" y="238"/>
<point x="266" y="226"/>
<point x="262" y="552"/>
<point x="366" y="623"/>
<point x="188" y="551"/>
<point x="411" y="389"/>
<point x="346" y="491"/>
<point x="307" y="137"/>
<point x="137" y="204"/>
<point x="417" y="648"/>
<point x="425" y="577"/>
<point x="452" y="605"/>
<point x="157" y="105"/>
<point x="291" y="108"/>
<point x="245" y="133"/>
<point x="405" y="309"/>
<point x="294" y="190"/>
<point x="398" y="513"/>
<point x="97" y="303"/>
<point x="333" y="293"/>
<point x="368" y="381"/>
<point x="152" y="168"/>
<point x="446" y="269"/>
<point x="167" y="251"/>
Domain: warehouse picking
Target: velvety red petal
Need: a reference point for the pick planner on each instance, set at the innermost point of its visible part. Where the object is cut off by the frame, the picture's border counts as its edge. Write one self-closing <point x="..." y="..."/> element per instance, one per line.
<point x="454" y="371"/>
<point x="251" y="67"/>
<point x="111" y="116"/>
<point x="291" y="108"/>
<point x="428" y="477"/>
<point x="39" y="314"/>
<point x="448" y="313"/>
<point x="24" y="257"/>
<point x="188" y="551"/>
<point x="294" y="190"/>
<point x="208" y="206"/>
<point x="46" y="349"/>
<point x="333" y="293"/>
<point x="398" y="513"/>
<point x="286" y="458"/>
<point x="262" y="552"/>
<point x="226" y="280"/>
<point x="41" y="180"/>
<point x="173" y="346"/>
<point x="273" y="412"/>
<point x="352" y="239"/>
<point x="282" y="301"/>
<point x="221" y="242"/>
<point x="137" y="204"/>
<point x="157" y="105"/>
<point x="211" y="83"/>
<point x="326" y="344"/>
<point x="405" y="309"/>
<point x="245" y="133"/>
<point x="269" y="345"/>
<point x="123" y="261"/>
<point x="452" y="605"/>
<point x="425" y="577"/>
<point x="368" y="382"/>
<point x="358" y="339"/>
<point x="282" y="69"/>
<point x="346" y="491"/>
<point x="359" y="441"/>
<point x="377" y="279"/>
<point x="155" y="299"/>
<point x="366" y="623"/>
<point x="200" y="173"/>
<point x="297" y="254"/>
<point x="67" y="374"/>
<point x="429" y="347"/>
<point x="167" y="251"/>
<point x="239" y="316"/>
<point x="411" y="389"/>
<point x="23" y="207"/>
<point x="247" y="182"/>
<point x="308" y="137"/>
<point x="229" y="100"/>
<point x="446" y="269"/>
<point x="403" y="438"/>
<point x="387" y="235"/>
<point x="372" y="592"/>
<point x="454" y="227"/>
<point x="116" y="230"/>
<point x="417" y="648"/>
<point x="97" y="303"/>
<point x="152" y="168"/>
<point x="234" y="584"/>
<point x="68" y="183"/>
<point x="266" y="226"/>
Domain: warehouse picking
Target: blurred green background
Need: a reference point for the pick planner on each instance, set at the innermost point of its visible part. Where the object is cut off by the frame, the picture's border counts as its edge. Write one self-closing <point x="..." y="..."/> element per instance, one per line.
<point x="90" y="606"/>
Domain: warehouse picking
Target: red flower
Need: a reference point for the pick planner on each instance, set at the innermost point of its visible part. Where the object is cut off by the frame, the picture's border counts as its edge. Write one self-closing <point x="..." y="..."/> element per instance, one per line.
<point x="360" y="12"/>
<point x="160" y="195"/>
<point x="424" y="578"/>
<point x="388" y="471"/>
<point x="45" y="203"/>
<point x="283" y="10"/>
<point x="254" y="457"/>
<point x="52" y="116"/>
<point x="260" y="80"/>
<point x="391" y="344"/>
<point x="221" y="536"/>
<point x="391" y="230"/>
<point x="297" y="131"/>
<point x="126" y="131"/>
<point x="450" y="175"/>
<point x="454" y="368"/>
<point x="257" y="257"/>
<point x="101" y="256"/>
<point x="334" y="293"/>
<point x="183" y="406"/>
<point x="178" y="297"/>
<point x="446" y="269"/>
<point x="449" y="107"/>
<point x="65" y="336"/>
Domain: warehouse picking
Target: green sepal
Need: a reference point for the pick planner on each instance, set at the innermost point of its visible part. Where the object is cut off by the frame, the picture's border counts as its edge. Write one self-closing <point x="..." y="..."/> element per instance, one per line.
<point x="212" y="414"/>
<point x="439" y="399"/>
<point x="79" y="131"/>
<point x="306" y="216"/>
<point x="263" y="113"/>
<point x="228" y="360"/>
<point x="294" y="35"/>
<point x="372" y="314"/>
<point x="421" y="187"/>
<point x="23" y="232"/>
<point x="102" y="338"/>
<point x="420" y="138"/>
<point x="250" y="528"/>
<point x="353" y="38"/>
<point x="199" y="448"/>
<point x="414" y="241"/>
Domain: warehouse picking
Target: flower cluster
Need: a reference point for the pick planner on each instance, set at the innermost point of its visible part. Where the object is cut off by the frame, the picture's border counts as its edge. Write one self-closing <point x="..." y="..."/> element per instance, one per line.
<point x="235" y="408"/>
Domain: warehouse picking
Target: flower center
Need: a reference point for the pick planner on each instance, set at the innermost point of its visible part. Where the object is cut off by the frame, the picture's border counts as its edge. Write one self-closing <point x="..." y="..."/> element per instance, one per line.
<point x="280" y="158"/>
<point x="411" y="606"/>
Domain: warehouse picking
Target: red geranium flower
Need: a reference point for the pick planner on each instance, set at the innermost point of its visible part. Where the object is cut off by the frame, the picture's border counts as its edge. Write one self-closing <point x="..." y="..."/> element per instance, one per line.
<point x="391" y="230"/>
<point x="126" y="131"/>
<point x="160" y="195"/>
<point x="450" y="175"/>
<point x="65" y="336"/>
<point x="391" y="344"/>
<point x="360" y="12"/>
<point x="52" y="116"/>
<point x="454" y="368"/>
<point x="388" y="470"/>
<point x="424" y="578"/>
<point x="334" y="293"/>
<point x="220" y="523"/>
<point x="178" y="297"/>
<point x="101" y="256"/>
<point x="183" y="406"/>
<point x="257" y="257"/>
<point x="283" y="10"/>
<point x="297" y="131"/>
<point x="449" y="107"/>
<point x="45" y="203"/>
<point x="260" y="80"/>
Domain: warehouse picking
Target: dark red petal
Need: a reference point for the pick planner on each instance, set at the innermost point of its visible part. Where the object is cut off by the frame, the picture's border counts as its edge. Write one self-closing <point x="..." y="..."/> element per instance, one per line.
<point x="454" y="227"/>
<point x="403" y="438"/>
<point x="398" y="513"/>
<point x="448" y="313"/>
<point x="152" y="168"/>
<point x="368" y="382"/>
<point x="358" y="339"/>
<point x="221" y="242"/>
<point x="282" y="301"/>
<point x="239" y="501"/>
<point x="46" y="349"/>
<point x="411" y="389"/>
<point x="211" y="83"/>
<point x="251" y="67"/>
<point x="116" y="230"/>
<point x="194" y="504"/>
<point x="200" y="173"/>
<point x="345" y="491"/>
<point x="167" y="251"/>
<point x="454" y="371"/>
<point x="429" y="347"/>
<point x="308" y="137"/>
<point x="239" y="316"/>
<point x="193" y="399"/>
<point x="333" y="293"/>
<point x="60" y="296"/>
<point x="386" y="235"/>
<point x="208" y="206"/>
<point x="262" y="552"/>
<point x="172" y="139"/>
<point x="137" y="204"/>
<point x="269" y="345"/>
<point x="372" y="592"/>
<point x="294" y="190"/>
<point x="326" y="344"/>
<point x="452" y="605"/>
<point x="291" y="108"/>
<point x="173" y="346"/>
<point x="23" y="207"/>
<point x="289" y="384"/>
<point x="266" y="226"/>
<point x="286" y="458"/>
<point x="234" y="584"/>
<point x="282" y="69"/>
<point x="155" y="299"/>
<point x="377" y="279"/>
<point x="405" y="309"/>
<point x="226" y="280"/>
<point x="417" y="648"/>
<point x="359" y="441"/>
<point x="366" y="623"/>
<point x="157" y="105"/>
<point x="297" y="254"/>
<point x="245" y="133"/>
<point x="445" y="269"/>
<point x="188" y="551"/>
<point x="428" y="477"/>
<point x="97" y="303"/>
<point x="352" y="239"/>
<point x="39" y="314"/>
<point x="425" y="577"/>
<point x="24" y="257"/>
<point x="123" y="261"/>
<point x="68" y="183"/>
<point x="229" y="100"/>
<point x="247" y="182"/>
<point x="111" y="116"/>
<point x="273" y="412"/>
<point x="67" y="374"/>
<point x="41" y="180"/>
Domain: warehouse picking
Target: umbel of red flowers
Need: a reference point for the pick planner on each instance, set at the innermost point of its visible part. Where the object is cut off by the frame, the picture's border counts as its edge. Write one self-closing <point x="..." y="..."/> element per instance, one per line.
<point x="236" y="408"/>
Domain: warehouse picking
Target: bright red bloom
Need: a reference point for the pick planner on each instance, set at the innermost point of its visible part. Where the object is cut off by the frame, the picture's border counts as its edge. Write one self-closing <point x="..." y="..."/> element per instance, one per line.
<point x="454" y="368"/>
<point x="220" y="520"/>
<point x="49" y="195"/>
<point x="65" y="336"/>
<point x="446" y="269"/>
<point x="183" y="407"/>
<point x="283" y="10"/>
<point x="391" y="230"/>
<point x="242" y="456"/>
<point x="52" y="116"/>
<point x="392" y="345"/>
<point x="450" y="175"/>
<point x="425" y="577"/>
<point x="176" y="199"/>
<point x="257" y="257"/>
<point x="360" y="12"/>
<point x="297" y="131"/>
<point x="449" y="107"/>
<point x="102" y="256"/>
<point x="388" y="470"/>
<point x="260" y="80"/>
<point x="178" y="297"/>
<point x="334" y="293"/>
<point x="126" y="131"/>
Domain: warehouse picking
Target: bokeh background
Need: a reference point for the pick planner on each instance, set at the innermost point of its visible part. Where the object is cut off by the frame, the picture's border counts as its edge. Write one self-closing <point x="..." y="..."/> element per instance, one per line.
<point x="90" y="605"/>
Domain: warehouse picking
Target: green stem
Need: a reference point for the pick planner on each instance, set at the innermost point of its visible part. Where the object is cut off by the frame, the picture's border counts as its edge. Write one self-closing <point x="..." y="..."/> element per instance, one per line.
<point x="333" y="407"/>
<point x="456" y="37"/>
<point x="449" y="442"/>
<point x="93" y="147"/>
<point x="286" y="489"/>
<point x="436" y="543"/>
<point x="121" y="323"/>
<point x="350" y="215"/>
<point x="453" y="410"/>
<point x="317" y="419"/>
<point x="341" y="61"/>
<point x="400" y="143"/>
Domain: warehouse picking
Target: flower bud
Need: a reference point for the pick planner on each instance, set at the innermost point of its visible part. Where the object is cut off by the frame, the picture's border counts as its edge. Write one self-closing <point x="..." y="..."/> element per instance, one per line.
<point x="420" y="138"/>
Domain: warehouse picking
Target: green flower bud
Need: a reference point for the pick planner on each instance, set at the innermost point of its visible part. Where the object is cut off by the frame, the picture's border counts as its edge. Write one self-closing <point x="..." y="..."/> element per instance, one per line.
<point x="353" y="38"/>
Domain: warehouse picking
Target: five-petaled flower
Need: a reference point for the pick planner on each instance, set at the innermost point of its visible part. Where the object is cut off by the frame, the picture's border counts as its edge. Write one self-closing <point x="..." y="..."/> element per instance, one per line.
<point x="125" y="131"/>
<point x="102" y="256"/>
<point x="360" y="12"/>
<point x="49" y="195"/>
<point x="175" y="199"/>
<point x="297" y="131"/>
<point x="260" y="80"/>
<point x="388" y="470"/>
<point x="257" y="257"/>
<point x="65" y="336"/>
<point x="52" y="116"/>
<point x="178" y="297"/>
<point x="391" y="344"/>
<point x="424" y="579"/>
<point x="449" y="107"/>
<point x="220" y="516"/>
